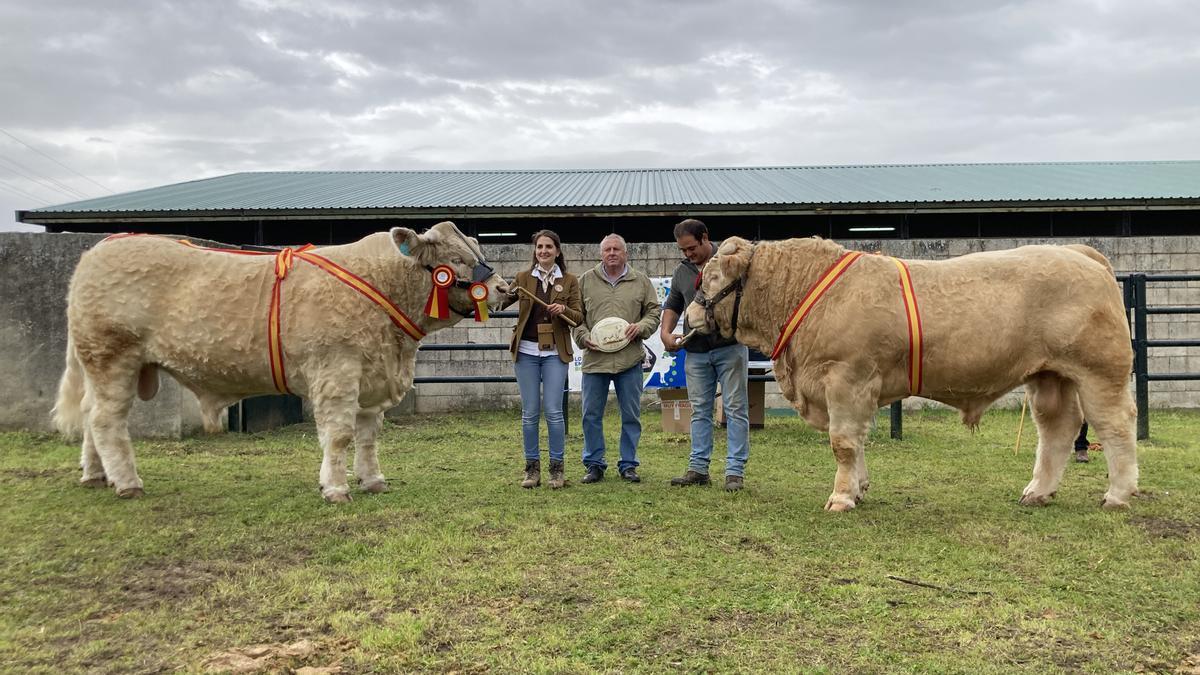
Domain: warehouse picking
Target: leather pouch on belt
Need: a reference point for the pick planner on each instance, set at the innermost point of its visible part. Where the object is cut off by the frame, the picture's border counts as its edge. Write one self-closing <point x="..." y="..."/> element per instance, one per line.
<point x="545" y="336"/>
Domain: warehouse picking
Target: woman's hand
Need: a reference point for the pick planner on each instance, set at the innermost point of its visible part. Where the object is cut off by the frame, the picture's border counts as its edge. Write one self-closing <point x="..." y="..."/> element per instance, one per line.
<point x="555" y="309"/>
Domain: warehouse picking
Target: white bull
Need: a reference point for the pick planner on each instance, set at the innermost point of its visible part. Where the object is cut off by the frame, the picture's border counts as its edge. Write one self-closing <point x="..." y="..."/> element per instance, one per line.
<point x="139" y="304"/>
<point x="1048" y="317"/>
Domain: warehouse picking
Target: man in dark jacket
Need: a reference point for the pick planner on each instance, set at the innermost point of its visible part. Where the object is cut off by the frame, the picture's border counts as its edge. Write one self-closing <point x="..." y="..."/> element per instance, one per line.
<point x="710" y="359"/>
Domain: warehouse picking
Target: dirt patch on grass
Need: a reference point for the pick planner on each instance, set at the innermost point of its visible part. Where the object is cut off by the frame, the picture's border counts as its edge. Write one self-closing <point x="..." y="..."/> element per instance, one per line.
<point x="22" y="473"/>
<point x="303" y="656"/>
<point x="758" y="545"/>
<point x="170" y="582"/>
<point x="1166" y="528"/>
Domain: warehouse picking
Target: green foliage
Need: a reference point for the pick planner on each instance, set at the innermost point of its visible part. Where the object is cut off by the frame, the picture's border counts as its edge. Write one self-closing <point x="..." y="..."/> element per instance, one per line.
<point x="460" y="569"/>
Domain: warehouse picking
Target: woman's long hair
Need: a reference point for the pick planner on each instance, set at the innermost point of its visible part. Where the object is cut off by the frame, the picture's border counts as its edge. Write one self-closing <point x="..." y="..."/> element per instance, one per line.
<point x="552" y="236"/>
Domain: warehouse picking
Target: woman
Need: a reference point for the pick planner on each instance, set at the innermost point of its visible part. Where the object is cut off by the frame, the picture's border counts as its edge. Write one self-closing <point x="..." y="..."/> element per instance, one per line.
<point x="541" y="348"/>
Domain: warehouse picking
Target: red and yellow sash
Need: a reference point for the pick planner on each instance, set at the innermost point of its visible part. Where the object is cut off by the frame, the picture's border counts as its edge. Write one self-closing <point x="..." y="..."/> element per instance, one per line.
<point x="911" y="312"/>
<point x="829" y="278"/>
<point x="283" y="264"/>
<point x="915" y="339"/>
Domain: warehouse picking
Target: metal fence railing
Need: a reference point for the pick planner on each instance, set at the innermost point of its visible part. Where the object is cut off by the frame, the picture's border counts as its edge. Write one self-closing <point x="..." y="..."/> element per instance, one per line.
<point x="1138" y="312"/>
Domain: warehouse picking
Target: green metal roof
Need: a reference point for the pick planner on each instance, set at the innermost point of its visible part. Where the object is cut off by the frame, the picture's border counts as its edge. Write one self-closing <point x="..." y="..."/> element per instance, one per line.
<point x="648" y="188"/>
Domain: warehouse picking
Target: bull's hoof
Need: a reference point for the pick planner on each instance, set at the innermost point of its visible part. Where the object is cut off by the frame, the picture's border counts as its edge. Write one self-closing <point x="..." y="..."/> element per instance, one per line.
<point x="94" y="482"/>
<point x="1030" y="499"/>
<point x="1113" y="504"/>
<point x="839" y="504"/>
<point x="338" y="497"/>
<point x="376" y="487"/>
<point x="131" y="493"/>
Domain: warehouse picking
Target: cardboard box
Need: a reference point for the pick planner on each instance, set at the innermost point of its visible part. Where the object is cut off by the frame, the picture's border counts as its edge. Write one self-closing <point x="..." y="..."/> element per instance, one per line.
<point x="676" y="410"/>
<point x="758" y="399"/>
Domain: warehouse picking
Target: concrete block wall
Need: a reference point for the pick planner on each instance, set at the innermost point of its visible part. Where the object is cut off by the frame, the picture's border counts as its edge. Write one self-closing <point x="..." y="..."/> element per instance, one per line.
<point x="1154" y="255"/>
<point x="35" y="269"/>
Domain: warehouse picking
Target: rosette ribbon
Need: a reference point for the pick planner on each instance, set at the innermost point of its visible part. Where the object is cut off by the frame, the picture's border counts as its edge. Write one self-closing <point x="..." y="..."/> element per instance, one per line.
<point x="438" y="304"/>
<point x="479" y="295"/>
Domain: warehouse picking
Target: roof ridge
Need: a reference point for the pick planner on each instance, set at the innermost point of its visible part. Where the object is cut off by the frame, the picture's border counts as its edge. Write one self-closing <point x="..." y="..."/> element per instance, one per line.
<point x="675" y="169"/>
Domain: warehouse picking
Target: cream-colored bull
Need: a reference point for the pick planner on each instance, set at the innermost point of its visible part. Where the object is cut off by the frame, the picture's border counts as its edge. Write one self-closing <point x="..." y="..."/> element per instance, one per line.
<point x="1048" y="317"/>
<point x="142" y="303"/>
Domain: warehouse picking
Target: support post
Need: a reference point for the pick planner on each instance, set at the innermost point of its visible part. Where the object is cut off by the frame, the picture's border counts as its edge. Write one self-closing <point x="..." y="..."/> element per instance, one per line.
<point x="897" y="419"/>
<point x="1141" y="361"/>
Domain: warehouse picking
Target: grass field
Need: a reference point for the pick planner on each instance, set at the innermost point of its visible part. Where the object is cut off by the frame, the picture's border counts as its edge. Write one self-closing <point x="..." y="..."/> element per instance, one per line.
<point x="232" y="560"/>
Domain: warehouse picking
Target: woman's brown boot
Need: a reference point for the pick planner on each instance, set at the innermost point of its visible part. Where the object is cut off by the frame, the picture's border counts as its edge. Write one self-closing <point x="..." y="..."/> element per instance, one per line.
<point x="556" y="475"/>
<point x="533" y="473"/>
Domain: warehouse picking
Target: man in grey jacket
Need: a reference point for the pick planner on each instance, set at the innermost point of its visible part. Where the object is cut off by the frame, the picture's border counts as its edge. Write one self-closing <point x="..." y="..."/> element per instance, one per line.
<point x="710" y="359"/>
<point x="610" y="289"/>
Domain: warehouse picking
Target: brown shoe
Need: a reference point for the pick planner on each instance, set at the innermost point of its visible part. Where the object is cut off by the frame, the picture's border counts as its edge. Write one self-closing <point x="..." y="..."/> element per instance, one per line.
<point x="557" y="479"/>
<point x="533" y="473"/>
<point x="691" y="478"/>
<point x="733" y="483"/>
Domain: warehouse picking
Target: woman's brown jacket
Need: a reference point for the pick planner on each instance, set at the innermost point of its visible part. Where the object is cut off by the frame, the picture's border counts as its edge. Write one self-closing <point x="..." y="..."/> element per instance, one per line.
<point x="564" y="290"/>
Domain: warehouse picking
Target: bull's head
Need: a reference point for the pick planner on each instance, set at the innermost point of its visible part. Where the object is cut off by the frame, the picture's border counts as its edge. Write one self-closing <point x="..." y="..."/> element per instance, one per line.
<point x="445" y="244"/>
<point x="715" y="307"/>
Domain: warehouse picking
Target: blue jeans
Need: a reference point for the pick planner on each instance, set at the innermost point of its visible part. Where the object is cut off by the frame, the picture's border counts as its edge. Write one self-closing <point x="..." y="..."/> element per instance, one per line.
<point x="727" y="365"/>
<point x="542" y="380"/>
<point x="628" y="384"/>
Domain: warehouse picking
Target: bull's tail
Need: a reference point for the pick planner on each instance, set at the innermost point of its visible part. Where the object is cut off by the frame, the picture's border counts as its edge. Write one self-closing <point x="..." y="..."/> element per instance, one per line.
<point x="68" y="409"/>
<point x="1093" y="254"/>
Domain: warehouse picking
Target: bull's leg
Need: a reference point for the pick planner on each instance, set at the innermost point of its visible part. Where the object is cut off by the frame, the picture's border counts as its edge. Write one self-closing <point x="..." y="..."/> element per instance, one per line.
<point x="335" y="428"/>
<point x="366" y="458"/>
<point x="89" y="460"/>
<point x="851" y="407"/>
<point x="212" y="411"/>
<point x="1056" y="412"/>
<point x="813" y="413"/>
<point x="108" y="422"/>
<point x="1111" y="412"/>
<point x="860" y="469"/>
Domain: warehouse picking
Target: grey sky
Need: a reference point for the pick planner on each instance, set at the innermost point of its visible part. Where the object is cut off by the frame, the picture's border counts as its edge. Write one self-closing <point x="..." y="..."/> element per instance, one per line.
<point x="146" y="93"/>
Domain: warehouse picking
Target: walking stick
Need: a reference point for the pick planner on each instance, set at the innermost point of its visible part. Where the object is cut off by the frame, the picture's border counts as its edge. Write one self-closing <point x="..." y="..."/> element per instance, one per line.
<point x="1021" y="424"/>
<point x="543" y="304"/>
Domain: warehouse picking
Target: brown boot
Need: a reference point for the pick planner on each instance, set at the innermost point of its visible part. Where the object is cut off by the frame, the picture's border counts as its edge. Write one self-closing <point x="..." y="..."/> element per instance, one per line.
<point x="691" y="478"/>
<point x="557" y="479"/>
<point x="533" y="473"/>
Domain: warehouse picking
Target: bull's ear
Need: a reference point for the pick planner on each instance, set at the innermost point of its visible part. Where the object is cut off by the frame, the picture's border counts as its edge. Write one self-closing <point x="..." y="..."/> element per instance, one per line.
<point x="408" y="241"/>
<point x="734" y="262"/>
<point x="728" y="246"/>
<point x="729" y="265"/>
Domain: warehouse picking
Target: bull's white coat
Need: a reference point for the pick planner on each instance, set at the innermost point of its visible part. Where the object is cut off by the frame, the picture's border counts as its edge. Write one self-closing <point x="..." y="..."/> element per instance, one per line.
<point x="144" y="303"/>
<point x="1048" y="317"/>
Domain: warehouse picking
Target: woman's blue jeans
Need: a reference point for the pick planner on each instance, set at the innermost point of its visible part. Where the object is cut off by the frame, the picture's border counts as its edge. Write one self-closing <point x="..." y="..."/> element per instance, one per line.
<point x="542" y="380"/>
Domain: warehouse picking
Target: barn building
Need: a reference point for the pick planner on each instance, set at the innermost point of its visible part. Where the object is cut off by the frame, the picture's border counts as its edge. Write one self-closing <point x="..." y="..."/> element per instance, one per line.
<point x="1145" y="216"/>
